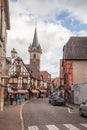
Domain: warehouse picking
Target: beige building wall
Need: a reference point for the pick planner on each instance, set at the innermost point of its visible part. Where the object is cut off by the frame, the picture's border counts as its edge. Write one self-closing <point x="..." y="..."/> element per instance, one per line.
<point x="79" y="72"/>
<point x="1" y="98"/>
<point x="80" y="93"/>
<point x="4" y="25"/>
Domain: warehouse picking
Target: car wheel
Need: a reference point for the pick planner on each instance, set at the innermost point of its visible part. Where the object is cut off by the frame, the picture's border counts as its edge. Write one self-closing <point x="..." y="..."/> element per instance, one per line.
<point x="53" y="103"/>
<point x="80" y="112"/>
<point x="49" y="102"/>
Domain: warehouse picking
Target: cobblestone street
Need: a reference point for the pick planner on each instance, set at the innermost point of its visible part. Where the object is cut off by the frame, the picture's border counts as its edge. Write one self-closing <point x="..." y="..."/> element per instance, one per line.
<point x="40" y="115"/>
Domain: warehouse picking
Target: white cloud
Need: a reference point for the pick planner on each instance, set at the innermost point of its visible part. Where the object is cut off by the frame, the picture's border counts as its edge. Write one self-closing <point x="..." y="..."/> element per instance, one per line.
<point x="51" y="36"/>
<point x="78" y="9"/>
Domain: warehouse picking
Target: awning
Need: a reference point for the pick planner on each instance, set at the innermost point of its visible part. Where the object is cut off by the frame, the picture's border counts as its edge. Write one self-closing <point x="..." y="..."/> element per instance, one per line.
<point x="22" y="91"/>
<point x="34" y="91"/>
<point x="18" y="91"/>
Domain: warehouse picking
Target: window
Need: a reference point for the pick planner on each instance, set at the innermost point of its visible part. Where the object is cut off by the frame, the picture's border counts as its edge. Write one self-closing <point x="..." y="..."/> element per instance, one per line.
<point x="18" y="69"/>
<point x="34" y="55"/>
<point x="19" y="82"/>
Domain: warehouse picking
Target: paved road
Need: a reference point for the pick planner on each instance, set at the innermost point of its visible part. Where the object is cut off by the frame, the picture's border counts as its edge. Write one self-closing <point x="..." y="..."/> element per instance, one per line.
<point x="40" y="115"/>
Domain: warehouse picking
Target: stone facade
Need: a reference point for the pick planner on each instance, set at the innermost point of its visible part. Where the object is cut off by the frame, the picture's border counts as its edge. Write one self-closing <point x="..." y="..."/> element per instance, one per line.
<point x="4" y="25"/>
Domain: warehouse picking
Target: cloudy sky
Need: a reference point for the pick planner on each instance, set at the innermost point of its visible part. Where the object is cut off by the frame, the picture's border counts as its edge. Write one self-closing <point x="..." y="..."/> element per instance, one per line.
<point x="57" y="20"/>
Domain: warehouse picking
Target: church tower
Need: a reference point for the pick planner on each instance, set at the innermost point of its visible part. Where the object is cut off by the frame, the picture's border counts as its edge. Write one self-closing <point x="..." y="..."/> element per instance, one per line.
<point x="35" y="53"/>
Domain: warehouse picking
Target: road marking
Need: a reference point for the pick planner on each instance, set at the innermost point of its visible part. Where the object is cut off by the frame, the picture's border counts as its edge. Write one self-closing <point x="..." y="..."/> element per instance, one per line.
<point x="21" y="117"/>
<point x="21" y="108"/>
<point x="71" y="127"/>
<point x="52" y="127"/>
<point x="85" y="125"/>
<point x="33" y="128"/>
<point x="69" y="110"/>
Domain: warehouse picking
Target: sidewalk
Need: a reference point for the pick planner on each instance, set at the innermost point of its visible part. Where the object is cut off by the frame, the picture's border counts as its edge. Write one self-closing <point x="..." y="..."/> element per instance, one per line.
<point x="73" y="106"/>
<point x="10" y="118"/>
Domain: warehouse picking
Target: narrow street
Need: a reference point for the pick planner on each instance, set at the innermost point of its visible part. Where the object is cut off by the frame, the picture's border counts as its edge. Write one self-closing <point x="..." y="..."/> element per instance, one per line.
<point x="38" y="114"/>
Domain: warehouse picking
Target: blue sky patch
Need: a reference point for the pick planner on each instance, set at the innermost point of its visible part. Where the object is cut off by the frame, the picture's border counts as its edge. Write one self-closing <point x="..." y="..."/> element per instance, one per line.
<point x="70" y="22"/>
<point x="49" y="21"/>
<point x="14" y="0"/>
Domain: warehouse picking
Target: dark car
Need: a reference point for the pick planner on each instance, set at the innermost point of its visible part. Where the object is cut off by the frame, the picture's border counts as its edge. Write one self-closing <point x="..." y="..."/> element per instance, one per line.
<point x="51" y="97"/>
<point x="58" y="101"/>
<point x="83" y="109"/>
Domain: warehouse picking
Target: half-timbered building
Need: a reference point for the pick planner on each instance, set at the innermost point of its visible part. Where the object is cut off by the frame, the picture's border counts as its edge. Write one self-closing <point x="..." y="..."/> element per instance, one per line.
<point x="19" y="77"/>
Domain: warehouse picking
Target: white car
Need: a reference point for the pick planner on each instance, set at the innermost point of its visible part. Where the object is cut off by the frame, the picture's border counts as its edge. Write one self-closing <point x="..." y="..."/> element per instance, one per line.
<point x="83" y="109"/>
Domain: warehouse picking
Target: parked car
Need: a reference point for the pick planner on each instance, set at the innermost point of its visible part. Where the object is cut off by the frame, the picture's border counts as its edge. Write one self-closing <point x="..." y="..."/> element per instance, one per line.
<point x="58" y="101"/>
<point x="83" y="109"/>
<point x="51" y="97"/>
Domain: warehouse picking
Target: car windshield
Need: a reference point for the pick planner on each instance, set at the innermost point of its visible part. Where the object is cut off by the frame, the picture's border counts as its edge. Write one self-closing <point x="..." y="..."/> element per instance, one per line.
<point x="57" y="97"/>
<point x="86" y="102"/>
<point x="54" y="94"/>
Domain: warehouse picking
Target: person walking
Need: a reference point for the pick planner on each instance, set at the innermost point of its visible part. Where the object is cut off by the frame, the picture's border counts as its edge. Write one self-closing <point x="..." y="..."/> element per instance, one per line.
<point x="11" y="99"/>
<point x="16" y="97"/>
<point x="19" y="99"/>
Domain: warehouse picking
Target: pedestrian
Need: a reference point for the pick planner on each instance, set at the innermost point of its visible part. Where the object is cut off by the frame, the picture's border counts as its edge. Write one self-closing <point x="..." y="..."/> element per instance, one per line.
<point x="26" y="97"/>
<point x="11" y="99"/>
<point x="16" y="97"/>
<point x="19" y="99"/>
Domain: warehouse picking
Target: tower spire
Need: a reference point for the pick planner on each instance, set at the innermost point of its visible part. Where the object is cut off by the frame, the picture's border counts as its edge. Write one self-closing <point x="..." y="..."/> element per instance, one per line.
<point x="35" y="39"/>
<point x="35" y="53"/>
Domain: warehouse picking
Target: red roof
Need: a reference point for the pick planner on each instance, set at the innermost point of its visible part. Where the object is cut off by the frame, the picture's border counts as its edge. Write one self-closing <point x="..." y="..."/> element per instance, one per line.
<point x="46" y="76"/>
<point x="56" y="81"/>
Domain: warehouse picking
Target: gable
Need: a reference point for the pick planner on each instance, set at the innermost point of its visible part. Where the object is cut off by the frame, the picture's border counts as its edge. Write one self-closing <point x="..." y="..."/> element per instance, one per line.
<point x="18" y="68"/>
